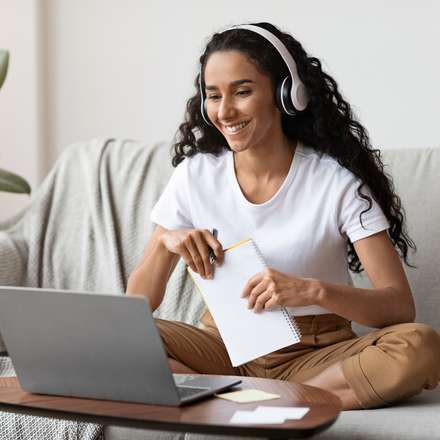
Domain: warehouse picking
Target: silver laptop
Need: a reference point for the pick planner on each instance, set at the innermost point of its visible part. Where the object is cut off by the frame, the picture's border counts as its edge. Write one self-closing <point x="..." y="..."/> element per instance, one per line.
<point x="94" y="346"/>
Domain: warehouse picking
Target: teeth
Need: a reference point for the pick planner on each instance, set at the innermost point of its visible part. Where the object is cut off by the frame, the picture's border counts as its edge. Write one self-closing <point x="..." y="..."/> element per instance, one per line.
<point x="235" y="128"/>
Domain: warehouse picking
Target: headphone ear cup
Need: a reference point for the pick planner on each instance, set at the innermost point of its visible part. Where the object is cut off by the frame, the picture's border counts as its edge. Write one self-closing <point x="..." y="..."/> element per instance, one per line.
<point x="284" y="102"/>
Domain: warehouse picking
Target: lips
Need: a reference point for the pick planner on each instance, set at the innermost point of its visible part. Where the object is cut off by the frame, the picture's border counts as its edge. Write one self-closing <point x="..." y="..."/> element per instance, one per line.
<point x="235" y="128"/>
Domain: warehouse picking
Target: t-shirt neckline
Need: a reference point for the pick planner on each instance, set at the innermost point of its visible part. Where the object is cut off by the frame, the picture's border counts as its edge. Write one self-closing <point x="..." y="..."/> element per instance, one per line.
<point x="286" y="182"/>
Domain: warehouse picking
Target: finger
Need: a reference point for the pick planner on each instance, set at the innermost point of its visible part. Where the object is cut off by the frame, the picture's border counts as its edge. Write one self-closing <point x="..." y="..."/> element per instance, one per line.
<point x="252" y="282"/>
<point x="203" y="250"/>
<point x="256" y="292"/>
<point x="272" y="303"/>
<point x="195" y="256"/>
<point x="262" y="300"/>
<point x="215" y="246"/>
<point x="186" y="256"/>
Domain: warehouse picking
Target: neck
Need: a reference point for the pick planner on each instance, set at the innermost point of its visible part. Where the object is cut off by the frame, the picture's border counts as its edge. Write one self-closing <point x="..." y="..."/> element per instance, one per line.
<point x="267" y="162"/>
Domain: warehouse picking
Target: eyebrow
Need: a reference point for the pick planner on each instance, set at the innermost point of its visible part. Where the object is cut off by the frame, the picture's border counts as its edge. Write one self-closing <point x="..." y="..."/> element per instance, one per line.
<point x="239" y="82"/>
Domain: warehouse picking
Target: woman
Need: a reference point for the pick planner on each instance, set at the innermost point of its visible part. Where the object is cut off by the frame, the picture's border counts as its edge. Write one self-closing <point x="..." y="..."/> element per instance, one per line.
<point x="271" y="150"/>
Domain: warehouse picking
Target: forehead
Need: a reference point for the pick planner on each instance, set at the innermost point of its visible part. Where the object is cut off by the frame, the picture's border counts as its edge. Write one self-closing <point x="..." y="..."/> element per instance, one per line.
<point x="228" y="66"/>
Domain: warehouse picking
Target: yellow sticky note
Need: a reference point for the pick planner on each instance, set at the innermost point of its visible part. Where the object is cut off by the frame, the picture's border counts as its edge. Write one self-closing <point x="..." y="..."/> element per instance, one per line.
<point x="246" y="396"/>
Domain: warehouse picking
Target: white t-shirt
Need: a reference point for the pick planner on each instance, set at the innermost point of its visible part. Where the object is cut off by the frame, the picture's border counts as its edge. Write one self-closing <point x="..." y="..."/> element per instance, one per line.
<point x="302" y="230"/>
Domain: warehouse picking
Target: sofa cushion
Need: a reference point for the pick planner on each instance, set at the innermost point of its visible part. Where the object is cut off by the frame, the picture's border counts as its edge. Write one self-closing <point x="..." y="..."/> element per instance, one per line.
<point x="414" y="419"/>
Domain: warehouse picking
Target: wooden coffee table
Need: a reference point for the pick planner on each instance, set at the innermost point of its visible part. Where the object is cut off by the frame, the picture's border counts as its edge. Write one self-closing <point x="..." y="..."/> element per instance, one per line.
<point x="210" y="416"/>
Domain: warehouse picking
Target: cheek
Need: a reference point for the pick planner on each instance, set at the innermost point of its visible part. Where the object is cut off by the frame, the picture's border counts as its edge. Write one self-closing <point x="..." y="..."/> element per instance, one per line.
<point x="211" y="112"/>
<point x="262" y="110"/>
<point x="270" y="119"/>
<point x="266" y="121"/>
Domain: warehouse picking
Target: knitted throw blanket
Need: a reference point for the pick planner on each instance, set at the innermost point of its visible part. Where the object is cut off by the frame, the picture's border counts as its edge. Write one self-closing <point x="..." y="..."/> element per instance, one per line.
<point x="85" y="230"/>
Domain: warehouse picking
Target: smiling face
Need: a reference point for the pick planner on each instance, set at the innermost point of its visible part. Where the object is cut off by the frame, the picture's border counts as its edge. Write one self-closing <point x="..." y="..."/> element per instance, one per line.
<point x="240" y="102"/>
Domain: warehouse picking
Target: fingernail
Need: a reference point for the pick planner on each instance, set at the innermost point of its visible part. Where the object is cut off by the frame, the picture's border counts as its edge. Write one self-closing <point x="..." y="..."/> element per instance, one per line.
<point x="209" y="276"/>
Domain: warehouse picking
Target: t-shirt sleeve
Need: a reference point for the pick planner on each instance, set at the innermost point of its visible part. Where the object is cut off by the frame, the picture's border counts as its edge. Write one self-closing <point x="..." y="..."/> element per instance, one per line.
<point x="351" y="223"/>
<point x="172" y="210"/>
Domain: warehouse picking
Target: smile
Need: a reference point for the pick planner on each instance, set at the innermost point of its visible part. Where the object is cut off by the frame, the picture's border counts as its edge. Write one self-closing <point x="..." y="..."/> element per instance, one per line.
<point x="236" y="127"/>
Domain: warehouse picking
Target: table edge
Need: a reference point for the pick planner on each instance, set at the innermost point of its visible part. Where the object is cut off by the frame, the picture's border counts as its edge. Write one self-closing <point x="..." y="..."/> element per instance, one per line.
<point x="256" y="431"/>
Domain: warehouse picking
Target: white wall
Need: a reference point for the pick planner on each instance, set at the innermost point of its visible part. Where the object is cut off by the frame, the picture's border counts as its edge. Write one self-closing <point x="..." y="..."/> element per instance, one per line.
<point x="125" y="67"/>
<point x="20" y="124"/>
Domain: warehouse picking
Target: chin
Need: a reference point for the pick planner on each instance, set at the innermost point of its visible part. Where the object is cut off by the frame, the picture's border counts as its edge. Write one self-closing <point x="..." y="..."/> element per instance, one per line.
<point x="238" y="149"/>
<point x="238" y="146"/>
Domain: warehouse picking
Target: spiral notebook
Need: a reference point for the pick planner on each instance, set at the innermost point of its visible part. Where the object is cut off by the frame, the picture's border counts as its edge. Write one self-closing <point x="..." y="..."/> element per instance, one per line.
<point x="247" y="335"/>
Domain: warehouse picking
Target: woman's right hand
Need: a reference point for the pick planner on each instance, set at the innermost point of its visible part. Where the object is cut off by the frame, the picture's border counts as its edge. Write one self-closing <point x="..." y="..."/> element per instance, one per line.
<point x="194" y="246"/>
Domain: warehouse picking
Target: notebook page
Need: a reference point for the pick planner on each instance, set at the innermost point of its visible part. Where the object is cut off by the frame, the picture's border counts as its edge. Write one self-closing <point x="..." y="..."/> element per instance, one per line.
<point x="246" y="334"/>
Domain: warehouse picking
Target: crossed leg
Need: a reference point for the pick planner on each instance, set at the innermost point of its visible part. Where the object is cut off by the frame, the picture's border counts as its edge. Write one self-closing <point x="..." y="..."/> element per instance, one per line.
<point x="382" y="367"/>
<point x="332" y="379"/>
<point x="377" y="369"/>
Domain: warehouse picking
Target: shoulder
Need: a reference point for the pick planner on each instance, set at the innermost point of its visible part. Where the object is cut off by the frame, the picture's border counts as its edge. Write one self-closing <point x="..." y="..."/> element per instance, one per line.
<point x="204" y="163"/>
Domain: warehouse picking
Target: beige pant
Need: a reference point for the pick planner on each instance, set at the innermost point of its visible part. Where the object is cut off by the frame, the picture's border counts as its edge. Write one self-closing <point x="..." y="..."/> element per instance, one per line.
<point x="382" y="367"/>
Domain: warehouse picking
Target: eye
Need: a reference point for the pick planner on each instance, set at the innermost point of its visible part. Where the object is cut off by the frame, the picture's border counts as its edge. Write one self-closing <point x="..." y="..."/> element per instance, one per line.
<point x="213" y="97"/>
<point x="243" y="92"/>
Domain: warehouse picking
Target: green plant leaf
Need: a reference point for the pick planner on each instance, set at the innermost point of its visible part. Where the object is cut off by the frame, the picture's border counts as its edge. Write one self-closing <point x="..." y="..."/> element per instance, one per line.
<point x="10" y="182"/>
<point x="4" y="58"/>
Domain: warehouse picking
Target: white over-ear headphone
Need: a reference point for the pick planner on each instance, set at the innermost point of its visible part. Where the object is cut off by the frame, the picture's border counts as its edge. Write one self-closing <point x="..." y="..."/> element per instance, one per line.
<point x="291" y="93"/>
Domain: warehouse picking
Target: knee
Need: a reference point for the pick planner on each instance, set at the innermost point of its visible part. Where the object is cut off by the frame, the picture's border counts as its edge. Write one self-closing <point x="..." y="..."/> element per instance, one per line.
<point x="162" y="327"/>
<point x="429" y="339"/>
<point x="410" y="361"/>
<point x="425" y="336"/>
<point x="169" y="332"/>
<point x="421" y="344"/>
<point x="416" y="332"/>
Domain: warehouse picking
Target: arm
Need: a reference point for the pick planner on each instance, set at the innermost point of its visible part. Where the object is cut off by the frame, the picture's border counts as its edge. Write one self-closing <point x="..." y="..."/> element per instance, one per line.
<point x="389" y="302"/>
<point x="153" y="271"/>
<point x="161" y="255"/>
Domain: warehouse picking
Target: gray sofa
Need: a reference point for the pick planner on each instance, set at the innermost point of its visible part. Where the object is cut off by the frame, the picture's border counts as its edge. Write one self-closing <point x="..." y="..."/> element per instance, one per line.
<point x="88" y="223"/>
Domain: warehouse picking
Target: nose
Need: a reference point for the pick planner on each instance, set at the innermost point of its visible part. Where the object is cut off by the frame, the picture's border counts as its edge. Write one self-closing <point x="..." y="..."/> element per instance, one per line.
<point x="226" y="109"/>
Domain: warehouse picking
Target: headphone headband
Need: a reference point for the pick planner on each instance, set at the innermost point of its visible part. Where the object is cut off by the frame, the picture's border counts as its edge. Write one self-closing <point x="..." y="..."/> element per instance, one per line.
<point x="298" y="92"/>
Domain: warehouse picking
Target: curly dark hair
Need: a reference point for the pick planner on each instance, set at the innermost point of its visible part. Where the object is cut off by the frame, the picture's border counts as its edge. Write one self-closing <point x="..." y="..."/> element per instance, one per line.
<point x="328" y="125"/>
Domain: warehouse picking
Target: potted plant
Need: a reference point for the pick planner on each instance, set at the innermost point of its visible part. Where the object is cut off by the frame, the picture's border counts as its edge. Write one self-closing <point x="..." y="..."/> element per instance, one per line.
<point x="10" y="182"/>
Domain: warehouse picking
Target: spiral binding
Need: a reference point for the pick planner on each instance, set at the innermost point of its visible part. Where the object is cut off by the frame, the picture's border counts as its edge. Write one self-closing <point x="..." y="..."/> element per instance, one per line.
<point x="258" y="252"/>
<point x="292" y="323"/>
<point x="289" y="319"/>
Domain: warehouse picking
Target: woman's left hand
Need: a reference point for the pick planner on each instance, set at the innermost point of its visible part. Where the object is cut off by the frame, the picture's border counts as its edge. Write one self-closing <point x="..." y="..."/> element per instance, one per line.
<point x="270" y="288"/>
